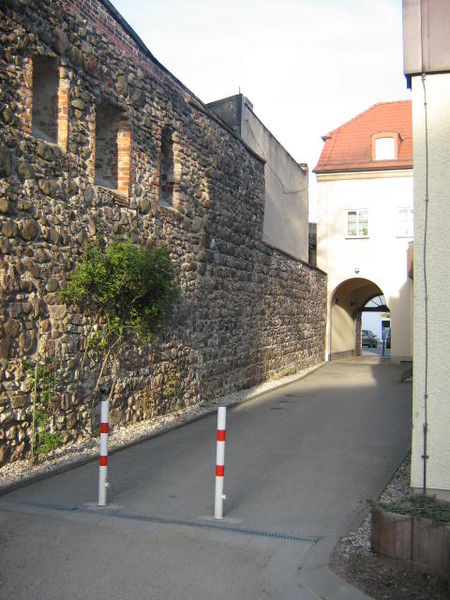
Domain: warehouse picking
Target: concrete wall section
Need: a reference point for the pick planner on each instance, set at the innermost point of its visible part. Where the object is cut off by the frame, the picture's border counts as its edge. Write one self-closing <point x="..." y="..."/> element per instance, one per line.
<point x="286" y="193"/>
<point x="431" y="346"/>
<point x="286" y="187"/>
<point x="430" y="20"/>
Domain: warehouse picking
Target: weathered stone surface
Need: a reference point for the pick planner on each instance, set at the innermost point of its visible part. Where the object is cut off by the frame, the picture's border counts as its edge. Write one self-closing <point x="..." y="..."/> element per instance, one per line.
<point x="4" y="349"/>
<point x="44" y="151"/>
<point x="8" y="115"/>
<point x="5" y="161"/>
<point x="18" y="452"/>
<point x="9" y="229"/>
<point x="138" y="98"/>
<point x="59" y="41"/>
<point x="144" y="206"/>
<point x="25" y="342"/>
<point x="78" y="104"/>
<point x="49" y="187"/>
<point x="3" y="454"/>
<point x="93" y="66"/>
<point x="12" y="328"/>
<point x="29" y="229"/>
<point x="24" y="170"/>
<point x="19" y="400"/>
<point x="52" y="285"/>
<point x="75" y="55"/>
<point x="10" y="433"/>
<point x="122" y="86"/>
<point x="4" y="205"/>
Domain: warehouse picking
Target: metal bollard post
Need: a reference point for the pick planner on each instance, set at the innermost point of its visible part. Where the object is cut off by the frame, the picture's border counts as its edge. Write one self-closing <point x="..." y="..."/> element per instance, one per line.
<point x="103" y="461"/>
<point x="220" y="461"/>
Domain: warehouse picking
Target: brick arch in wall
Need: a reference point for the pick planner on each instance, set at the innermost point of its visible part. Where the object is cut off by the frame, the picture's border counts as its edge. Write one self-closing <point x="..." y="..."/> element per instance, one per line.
<point x="344" y="322"/>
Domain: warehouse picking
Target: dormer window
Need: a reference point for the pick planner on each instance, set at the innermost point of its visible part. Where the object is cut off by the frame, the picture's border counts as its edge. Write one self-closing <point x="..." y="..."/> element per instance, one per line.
<point x="385" y="149"/>
<point x="385" y="146"/>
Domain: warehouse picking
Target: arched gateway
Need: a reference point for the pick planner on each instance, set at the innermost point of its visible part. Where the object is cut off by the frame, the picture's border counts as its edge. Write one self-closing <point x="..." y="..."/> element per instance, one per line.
<point x="346" y="305"/>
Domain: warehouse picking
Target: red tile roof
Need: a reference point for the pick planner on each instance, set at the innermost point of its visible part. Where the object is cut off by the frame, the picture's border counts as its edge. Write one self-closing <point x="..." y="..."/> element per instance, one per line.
<point x="349" y="147"/>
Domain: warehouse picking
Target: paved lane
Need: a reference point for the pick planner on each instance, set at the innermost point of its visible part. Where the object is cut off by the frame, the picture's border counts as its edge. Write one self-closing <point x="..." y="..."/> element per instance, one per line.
<point x="301" y="460"/>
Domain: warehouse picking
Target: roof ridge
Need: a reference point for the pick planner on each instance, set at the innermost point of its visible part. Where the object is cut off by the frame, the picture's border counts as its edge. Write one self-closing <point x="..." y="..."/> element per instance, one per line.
<point x="351" y="144"/>
<point x="358" y="116"/>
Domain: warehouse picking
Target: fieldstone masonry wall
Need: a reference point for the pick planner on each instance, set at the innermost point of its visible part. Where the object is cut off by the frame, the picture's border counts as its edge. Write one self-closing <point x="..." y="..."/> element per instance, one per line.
<point x="246" y="312"/>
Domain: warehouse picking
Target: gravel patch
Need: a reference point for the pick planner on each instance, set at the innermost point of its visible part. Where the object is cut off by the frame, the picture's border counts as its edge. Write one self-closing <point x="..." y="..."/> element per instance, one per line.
<point x="22" y="472"/>
<point x="380" y="577"/>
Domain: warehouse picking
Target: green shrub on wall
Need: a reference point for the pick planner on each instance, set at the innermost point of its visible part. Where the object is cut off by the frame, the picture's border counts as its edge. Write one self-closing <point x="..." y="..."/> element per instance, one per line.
<point x="130" y="287"/>
<point x="124" y="288"/>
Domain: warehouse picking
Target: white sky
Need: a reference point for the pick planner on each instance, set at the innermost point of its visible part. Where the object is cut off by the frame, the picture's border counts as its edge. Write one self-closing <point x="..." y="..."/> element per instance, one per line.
<point x="307" y="66"/>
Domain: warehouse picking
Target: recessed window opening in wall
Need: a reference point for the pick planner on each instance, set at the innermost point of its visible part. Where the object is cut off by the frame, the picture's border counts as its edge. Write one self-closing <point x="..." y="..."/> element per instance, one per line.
<point x="385" y="148"/>
<point x="45" y="99"/>
<point x="166" y="168"/>
<point x="112" y="148"/>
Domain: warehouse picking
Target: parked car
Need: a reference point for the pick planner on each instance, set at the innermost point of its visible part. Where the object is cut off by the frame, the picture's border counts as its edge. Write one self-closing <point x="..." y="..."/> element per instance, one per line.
<point x="369" y="339"/>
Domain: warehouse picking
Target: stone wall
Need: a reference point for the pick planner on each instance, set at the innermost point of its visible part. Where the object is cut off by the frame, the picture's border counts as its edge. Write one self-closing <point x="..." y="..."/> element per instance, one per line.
<point x="246" y="312"/>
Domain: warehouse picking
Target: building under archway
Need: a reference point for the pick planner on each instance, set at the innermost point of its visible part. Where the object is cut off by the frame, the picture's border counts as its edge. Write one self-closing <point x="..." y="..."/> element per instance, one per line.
<point x="349" y="300"/>
<point x="346" y="305"/>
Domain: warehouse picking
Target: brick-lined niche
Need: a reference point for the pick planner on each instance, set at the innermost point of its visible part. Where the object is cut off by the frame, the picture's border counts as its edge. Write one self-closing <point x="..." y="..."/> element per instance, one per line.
<point x="44" y="116"/>
<point x="112" y="149"/>
<point x="45" y="97"/>
<point x="166" y="168"/>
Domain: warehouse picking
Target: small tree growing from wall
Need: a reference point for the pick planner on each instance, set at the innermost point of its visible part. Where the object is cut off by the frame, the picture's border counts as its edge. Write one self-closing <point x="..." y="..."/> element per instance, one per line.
<point x="125" y="289"/>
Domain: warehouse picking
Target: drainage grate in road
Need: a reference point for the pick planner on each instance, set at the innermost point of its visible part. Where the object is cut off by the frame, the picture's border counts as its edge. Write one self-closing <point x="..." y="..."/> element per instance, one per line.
<point x="114" y="512"/>
<point x="229" y="529"/>
<point x="33" y="504"/>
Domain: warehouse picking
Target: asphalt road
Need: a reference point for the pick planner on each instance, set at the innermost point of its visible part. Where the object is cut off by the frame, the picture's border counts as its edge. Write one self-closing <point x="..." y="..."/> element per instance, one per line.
<point x="301" y="463"/>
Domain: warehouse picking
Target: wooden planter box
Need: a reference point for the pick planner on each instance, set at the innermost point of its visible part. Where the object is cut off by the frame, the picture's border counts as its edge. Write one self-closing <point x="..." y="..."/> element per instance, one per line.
<point x="420" y="541"/>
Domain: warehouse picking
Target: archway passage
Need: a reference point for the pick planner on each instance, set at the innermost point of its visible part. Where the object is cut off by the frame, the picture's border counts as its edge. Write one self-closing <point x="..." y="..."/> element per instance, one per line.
<point x="348" y="301"/>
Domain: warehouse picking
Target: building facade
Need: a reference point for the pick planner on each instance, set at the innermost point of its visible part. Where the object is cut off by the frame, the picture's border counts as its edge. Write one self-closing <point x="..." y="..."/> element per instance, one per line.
<point x="426" y="30"/>
<point x="365" y="224"/>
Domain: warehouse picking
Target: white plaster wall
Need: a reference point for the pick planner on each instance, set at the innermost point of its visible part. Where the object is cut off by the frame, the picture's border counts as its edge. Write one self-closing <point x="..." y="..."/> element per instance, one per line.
<point x="343" y="338"/>
<point x="286" y="197"/>
<point x="382" y="257"/>
<point x="438" y="277"/>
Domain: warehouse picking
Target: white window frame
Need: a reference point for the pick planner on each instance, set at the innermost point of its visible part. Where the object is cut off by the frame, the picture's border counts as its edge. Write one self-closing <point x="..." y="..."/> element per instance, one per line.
<point x="409" y="222"/>
<point x="358" y="234"/>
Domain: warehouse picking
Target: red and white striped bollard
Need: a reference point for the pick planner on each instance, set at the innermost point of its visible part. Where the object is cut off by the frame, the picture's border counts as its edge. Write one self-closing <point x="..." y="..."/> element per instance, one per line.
<point x="220" y="461"/>
<point x="103" y="461"/>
